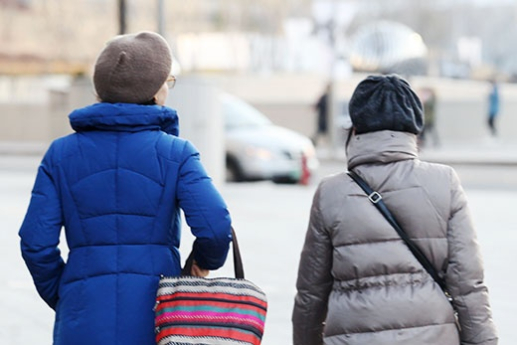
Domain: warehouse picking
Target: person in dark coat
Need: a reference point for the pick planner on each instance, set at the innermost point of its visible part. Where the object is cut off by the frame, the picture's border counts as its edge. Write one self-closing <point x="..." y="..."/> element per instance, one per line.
<point x="493" y="107"/>
<point x="428" y="97"/>
<point x="116" y="186"/>
<point x="322" y="111"/>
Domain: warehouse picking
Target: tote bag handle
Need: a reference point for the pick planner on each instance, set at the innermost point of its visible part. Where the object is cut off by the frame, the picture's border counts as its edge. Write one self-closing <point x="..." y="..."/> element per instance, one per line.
<point x="237" y="260"/>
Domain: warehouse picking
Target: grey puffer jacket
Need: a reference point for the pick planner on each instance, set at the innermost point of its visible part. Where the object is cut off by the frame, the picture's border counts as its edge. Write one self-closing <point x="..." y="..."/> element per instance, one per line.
<point x="358" y="283"/>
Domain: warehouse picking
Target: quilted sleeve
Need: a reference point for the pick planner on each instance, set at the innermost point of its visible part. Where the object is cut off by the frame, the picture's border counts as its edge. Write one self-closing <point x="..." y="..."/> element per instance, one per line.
<point x="39" y="235"/>
<point x="314" y="281"/>
<point x="464" y="275"/>
<point x="205" y="211"/>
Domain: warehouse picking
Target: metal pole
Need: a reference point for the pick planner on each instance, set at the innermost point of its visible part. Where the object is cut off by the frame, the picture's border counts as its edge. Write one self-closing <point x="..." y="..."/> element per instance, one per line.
<point x="161" y="18"/>
<point x="332" y="97"/>
<point x="122" y="16"/>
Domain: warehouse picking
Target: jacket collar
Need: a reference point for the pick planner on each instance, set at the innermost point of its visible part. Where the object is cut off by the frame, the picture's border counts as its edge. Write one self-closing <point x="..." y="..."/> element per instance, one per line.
<point x="381" y="147"/>
<point x="125" y="117"/>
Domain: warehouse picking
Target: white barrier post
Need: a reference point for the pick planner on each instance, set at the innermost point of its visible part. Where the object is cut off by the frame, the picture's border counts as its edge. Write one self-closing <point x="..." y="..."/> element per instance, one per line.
<point x="196" y="100"/>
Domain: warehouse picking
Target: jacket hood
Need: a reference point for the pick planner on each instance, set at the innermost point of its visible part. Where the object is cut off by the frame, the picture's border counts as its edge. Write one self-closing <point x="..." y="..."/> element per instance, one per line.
<point x="381" y="147"/>
<point x="125" y="117"/>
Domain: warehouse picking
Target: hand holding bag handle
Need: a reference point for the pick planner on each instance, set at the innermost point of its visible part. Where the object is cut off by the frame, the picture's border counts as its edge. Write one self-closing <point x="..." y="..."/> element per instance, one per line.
<point x="376" y="199"/>
<point x="237" y="260"/>
<point x="198" y="310"/>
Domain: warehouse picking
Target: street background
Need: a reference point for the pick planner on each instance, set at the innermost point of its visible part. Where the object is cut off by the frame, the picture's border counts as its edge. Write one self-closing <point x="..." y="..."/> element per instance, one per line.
<point x="278" y="55"/>
<point x="271" y="221"/>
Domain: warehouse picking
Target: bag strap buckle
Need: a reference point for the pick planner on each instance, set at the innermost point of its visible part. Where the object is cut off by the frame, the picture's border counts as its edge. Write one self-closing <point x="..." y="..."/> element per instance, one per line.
<point x="375" y="197"/>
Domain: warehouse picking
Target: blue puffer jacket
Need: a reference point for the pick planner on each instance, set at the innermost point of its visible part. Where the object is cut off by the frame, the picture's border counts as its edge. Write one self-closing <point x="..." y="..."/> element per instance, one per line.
<point x="117" y="186"/>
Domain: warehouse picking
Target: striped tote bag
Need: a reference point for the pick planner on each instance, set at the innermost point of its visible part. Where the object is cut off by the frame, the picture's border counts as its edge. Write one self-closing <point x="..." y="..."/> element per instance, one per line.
<point x="213" y="311"/>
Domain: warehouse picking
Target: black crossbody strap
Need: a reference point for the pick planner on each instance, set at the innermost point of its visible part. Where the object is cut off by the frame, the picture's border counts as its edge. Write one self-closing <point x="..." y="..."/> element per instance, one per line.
<point x="376" y="199"/>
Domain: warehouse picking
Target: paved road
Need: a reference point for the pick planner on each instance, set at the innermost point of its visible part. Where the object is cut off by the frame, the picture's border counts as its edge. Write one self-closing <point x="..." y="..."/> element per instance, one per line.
<point x="271" y="221"/>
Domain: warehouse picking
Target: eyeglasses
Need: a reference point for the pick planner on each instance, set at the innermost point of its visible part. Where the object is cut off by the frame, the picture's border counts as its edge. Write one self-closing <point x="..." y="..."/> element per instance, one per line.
<point x="171" y="81"/>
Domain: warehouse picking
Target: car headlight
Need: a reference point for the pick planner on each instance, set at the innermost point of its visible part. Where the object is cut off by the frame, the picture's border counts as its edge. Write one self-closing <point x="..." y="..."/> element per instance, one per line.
<point x="258" y="152"/>
<point x="309" y="151"/>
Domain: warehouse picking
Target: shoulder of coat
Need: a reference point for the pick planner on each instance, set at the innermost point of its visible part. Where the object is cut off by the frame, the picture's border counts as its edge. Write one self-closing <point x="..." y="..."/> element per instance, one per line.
<point x="338" y="183"/>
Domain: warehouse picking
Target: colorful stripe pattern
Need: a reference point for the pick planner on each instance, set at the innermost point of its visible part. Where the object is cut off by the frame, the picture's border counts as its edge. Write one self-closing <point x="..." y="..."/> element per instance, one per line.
<point x="216" y="311"/>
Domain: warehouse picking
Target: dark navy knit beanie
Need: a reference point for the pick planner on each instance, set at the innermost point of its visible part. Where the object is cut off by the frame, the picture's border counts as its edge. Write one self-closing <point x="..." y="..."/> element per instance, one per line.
<point x="385" y="103"/>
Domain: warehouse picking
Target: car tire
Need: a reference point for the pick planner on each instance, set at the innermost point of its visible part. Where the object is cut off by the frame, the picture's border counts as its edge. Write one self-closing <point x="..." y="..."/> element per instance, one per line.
<point x="233" y="170"/>
<point x="285" y="180"/>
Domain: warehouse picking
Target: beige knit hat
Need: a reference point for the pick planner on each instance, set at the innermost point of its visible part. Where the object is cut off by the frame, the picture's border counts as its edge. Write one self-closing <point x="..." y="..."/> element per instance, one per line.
<point x="132" y="68"/>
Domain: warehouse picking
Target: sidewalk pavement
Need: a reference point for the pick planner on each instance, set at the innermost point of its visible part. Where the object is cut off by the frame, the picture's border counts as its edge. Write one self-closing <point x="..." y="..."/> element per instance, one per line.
<point x="271" y="220"/>
<point x="488" y="151"/>
<point x="22" y="148"/>
<point x="14" y="155"/>
<point x="483" y="153"/>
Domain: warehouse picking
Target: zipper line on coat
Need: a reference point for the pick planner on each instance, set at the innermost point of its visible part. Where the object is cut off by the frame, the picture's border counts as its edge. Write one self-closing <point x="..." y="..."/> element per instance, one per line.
<point x="117" y="225"/>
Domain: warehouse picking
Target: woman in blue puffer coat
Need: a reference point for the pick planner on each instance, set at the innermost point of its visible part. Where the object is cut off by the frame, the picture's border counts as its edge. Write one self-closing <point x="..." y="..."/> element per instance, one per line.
<point x="116" y="185"/>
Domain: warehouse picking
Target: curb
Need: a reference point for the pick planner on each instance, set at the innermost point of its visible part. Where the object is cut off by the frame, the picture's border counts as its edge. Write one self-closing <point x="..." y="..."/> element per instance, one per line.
<point x="23" y="148"/>
<point x="506" y="156"/>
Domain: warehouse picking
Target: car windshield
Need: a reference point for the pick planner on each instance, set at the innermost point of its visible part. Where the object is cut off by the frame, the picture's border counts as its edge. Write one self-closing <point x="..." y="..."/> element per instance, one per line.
<point x="238" y="113"/>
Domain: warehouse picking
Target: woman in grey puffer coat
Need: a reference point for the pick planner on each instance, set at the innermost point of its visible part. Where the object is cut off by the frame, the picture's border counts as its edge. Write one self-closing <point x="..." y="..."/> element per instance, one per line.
<point x="358" y="283"/>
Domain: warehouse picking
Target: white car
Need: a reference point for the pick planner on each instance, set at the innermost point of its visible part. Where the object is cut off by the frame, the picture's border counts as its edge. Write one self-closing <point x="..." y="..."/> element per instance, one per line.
<point x="256" y="149"/>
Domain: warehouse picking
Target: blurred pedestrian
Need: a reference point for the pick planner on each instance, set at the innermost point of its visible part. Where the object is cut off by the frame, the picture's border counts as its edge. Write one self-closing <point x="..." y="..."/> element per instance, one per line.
<point x="493" y="107"/>
<point x="116" y="185"/>
<point x="427" y="96"/>
<point x="357" y="281"/>
<point x="322" y="109"/>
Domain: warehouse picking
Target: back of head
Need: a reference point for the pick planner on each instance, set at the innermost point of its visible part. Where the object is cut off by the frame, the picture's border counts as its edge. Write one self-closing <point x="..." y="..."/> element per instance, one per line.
<point x="385" y="103"/>
<point x="132" y="68"/>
